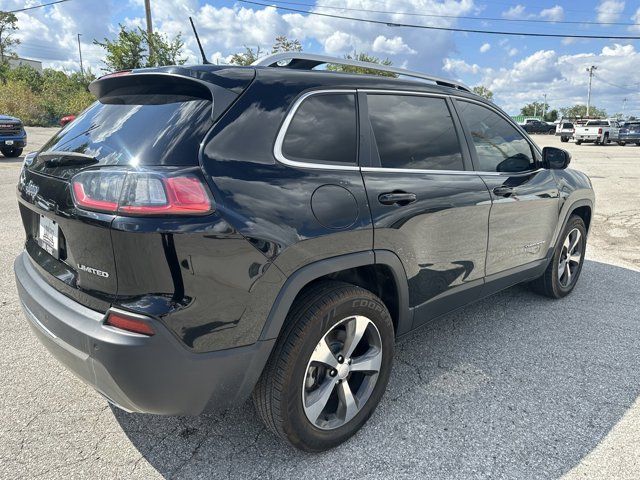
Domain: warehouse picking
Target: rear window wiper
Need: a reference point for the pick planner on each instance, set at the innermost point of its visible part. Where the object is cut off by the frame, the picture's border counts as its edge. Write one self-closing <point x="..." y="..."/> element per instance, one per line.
<point x="63" y="159"/>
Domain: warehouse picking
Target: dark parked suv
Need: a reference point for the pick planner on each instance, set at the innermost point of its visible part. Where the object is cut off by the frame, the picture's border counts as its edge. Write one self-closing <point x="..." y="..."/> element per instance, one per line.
<point x="204" y="234"/>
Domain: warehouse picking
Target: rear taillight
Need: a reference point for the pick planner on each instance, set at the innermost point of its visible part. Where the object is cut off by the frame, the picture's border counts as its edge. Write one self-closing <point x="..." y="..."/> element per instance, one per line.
<point x="599" y="131"/>
<point x="130" y="323"/>
<point x="141" y="192"/>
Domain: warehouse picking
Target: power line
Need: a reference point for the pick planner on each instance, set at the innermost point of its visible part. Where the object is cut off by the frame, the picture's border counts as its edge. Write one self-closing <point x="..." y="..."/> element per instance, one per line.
<point x="623" y="87"/>
<point x="464" y="17"/>
<point x="446" y="29"/>
<point x="36" y="6"/>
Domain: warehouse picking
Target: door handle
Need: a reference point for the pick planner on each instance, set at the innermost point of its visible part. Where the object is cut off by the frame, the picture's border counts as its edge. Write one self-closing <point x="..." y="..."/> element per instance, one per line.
<point x="504" y="191"/>
<point x="397" y="198"/>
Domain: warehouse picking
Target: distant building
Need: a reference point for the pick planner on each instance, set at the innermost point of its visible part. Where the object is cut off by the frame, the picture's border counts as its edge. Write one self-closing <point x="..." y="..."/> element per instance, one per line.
<point x="17" y="62"/>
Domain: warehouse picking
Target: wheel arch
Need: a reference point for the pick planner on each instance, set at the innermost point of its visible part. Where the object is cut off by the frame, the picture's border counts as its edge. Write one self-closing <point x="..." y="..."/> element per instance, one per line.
<point x="364" y="269"/>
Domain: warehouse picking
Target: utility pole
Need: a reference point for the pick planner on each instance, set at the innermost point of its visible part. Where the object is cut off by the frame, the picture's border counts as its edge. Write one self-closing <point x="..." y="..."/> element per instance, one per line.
<point x="80" y="53"/>
<point x="147" y="7"/>
<point x="590" y="70"/>
<point x="624" y="106"/>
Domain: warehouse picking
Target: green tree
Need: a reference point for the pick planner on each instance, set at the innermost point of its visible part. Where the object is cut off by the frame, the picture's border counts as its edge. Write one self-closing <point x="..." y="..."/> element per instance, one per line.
<point x="130" y="50"/>
<point x="363" y="57"/>
<point x="283" y="44"/>
<point x="247" y="57"/>
<point x="250" y="55"/>
<point x="483" y="91"/>
<point x="8" y="26"/>
<point x="535" y="109"/>
<point x="126" y="52"/>
<point x="27" y="75"/>
<point x="166" y="51"/>
<point x="581" y="111"/>
<point x="551" y="116"/>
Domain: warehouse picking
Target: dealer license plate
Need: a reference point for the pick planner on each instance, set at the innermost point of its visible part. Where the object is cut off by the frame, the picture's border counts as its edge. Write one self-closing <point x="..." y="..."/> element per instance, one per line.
<point x="48" y="235"/>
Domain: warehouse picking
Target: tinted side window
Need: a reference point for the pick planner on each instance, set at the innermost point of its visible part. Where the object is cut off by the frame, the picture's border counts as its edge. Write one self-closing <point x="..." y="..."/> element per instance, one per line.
<point x="323" y="130"/>
<point x="414" y="132"/>
<point x="499" y="146"/>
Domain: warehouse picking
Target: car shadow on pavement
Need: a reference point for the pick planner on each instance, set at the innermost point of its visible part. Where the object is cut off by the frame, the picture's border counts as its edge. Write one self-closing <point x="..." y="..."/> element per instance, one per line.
<point x="514" y="386"/>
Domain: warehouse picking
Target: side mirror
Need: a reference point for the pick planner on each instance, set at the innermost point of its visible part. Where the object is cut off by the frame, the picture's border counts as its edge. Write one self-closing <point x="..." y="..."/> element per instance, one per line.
<point x="555" y="158"/>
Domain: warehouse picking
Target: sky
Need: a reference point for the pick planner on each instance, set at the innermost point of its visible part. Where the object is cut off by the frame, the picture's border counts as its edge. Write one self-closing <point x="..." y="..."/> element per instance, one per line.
<point x="518" y="69"/>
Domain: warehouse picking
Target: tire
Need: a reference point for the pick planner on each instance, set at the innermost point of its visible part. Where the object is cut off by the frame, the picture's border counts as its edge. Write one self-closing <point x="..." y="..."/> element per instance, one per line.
<point x="553" y="283"/>
<point x="11" y="152"/>
<point x="292" y="379"/>
<point x="578" y="142"/>
<point x="564" y="139"/>
<point x="622" y="144"/>
<point x="638" y="144"/>
<point x="606" y="140"/>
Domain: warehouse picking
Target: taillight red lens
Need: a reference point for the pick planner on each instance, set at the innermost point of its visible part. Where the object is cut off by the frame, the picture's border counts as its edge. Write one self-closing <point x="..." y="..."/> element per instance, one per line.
<point x="129" y="323"/>
<point x="599" y="131"/>
<point x="141" y="192"/>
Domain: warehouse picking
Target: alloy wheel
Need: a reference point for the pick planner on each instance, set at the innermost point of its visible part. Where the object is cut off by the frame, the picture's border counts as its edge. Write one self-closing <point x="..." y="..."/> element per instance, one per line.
<point x="570" y="258"/>
<point x="342" y="372"/>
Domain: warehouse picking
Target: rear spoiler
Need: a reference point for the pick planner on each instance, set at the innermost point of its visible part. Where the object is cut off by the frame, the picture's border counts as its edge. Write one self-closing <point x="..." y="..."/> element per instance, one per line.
<point x="177" y="84"/>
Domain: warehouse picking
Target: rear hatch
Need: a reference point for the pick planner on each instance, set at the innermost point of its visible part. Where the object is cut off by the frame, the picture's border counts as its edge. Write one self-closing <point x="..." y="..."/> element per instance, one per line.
<point x="149" y="121"/>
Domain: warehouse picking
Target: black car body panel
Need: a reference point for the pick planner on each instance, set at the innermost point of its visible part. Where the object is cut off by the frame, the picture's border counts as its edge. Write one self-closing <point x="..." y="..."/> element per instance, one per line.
<point x="219" y="286"/>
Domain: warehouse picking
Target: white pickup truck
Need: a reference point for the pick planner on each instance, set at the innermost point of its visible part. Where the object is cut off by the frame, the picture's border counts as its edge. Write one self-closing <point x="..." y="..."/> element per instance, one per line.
<point x="597" y="131"/>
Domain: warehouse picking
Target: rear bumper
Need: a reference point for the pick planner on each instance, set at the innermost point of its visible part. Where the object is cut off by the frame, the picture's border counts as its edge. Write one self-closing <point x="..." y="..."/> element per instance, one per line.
<point x="587" y="138"/>
<point x="137" y="373"/>
<point x="629" y="137"/>
<point x="16" y="141"/>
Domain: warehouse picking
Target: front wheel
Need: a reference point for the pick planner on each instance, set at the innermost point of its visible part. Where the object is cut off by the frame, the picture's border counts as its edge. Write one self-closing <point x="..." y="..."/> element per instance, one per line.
<point x="622" y="144"/>
<point x="578" y="142"/>
<point x="329" y="368"/>
<point x="563" y="271"/>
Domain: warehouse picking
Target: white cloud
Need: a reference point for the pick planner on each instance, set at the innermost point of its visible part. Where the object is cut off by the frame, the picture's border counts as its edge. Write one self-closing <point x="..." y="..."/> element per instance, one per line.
<point x="485" y="47"/>
<point x="562" y="77"/>
<point x="610" y="10"/>
<point x="555" y="13"/>
<point x="516" y="12"/>
<point x="458" y="67"/>
<point x="636" y="19"/>
<point x="512" y="52"/>
<point x="392" y="46"/>
<point x="339" y="42"/>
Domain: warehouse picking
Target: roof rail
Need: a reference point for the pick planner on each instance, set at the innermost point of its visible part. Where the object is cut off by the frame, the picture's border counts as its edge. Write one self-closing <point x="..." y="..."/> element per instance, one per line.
<point x="307" y="61"/>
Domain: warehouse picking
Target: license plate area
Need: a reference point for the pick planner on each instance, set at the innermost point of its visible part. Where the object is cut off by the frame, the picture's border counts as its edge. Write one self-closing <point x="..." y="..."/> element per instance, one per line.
<point x="8" y="142"/>
<point x="48" y="236"/>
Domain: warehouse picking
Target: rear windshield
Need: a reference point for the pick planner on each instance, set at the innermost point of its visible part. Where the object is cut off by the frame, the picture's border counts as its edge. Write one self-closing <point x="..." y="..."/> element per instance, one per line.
<point x="132" y="133"/>
<point x="567" y="125"/>
<point x="596" y="123"/>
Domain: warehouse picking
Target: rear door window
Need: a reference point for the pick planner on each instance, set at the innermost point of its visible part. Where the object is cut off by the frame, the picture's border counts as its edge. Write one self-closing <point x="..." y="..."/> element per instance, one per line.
<point x="323" y="130"/>
<point x="414" y="132"/>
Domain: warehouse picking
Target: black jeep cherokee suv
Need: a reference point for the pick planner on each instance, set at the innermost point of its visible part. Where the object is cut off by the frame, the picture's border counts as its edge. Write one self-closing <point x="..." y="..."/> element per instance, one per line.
<point x="204" y="234"/>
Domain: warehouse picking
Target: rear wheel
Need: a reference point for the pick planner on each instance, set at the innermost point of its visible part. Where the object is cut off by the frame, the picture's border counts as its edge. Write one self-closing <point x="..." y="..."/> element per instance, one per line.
<point x="622" y="144"/>
<point x="329" y="369"/>
<point x="11" y="152"/>
<point x="578" y="142"/>
<point x="564" y="139"/>
<point x="563" y="271"/>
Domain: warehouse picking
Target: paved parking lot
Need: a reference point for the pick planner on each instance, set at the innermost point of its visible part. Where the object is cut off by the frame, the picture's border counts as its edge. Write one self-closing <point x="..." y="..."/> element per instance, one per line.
<point x="515" y="386"/>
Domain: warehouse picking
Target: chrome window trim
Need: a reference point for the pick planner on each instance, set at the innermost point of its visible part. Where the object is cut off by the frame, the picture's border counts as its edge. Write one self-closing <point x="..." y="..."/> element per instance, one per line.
<point x="450" y="172"/>
<point x="277" y="149"/>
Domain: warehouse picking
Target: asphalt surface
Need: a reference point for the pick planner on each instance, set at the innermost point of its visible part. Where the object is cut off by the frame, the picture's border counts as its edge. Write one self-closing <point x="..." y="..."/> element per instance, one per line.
<point x="515" y="386"/>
